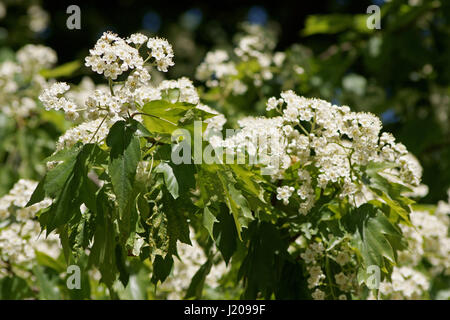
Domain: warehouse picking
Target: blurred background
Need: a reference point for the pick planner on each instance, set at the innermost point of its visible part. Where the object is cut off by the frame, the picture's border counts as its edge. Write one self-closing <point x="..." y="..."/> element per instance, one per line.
<point x="400" y="72"/>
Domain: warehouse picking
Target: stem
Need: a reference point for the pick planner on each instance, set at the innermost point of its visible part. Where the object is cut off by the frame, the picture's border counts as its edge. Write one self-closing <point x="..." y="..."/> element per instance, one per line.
<point x="304" y="130"/>
<point x="110" y="82"/>
<point x="148" y="57"/>
<point x="327" y="270"/>
<point x="98" y="128"/>
<point x="150" y="115"/>
<point x="151" y="168"/>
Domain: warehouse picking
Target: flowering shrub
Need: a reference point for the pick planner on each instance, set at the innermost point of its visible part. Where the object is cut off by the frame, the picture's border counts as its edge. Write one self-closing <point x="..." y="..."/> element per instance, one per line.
<point x="22" y="251"/>
<point x="426" y="258"/>
<point x="148" y="186"/>
<point x="27" y="130"/>
<point x="238" y="80"/>
<point x="303" y="203"/>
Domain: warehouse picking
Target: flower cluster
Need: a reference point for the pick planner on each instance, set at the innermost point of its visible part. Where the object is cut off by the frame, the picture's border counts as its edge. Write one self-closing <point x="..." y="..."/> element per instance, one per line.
<point x="20" y="80"/>
<point x="314" y="254"/>
<point x="102" y="105"/>
<point x="112" y="56"/>
<point x="20" y="233"/>
<point x="94" y="130"/>
<point x="284" y="193"/>
<point x="187" y="91"/>
<point x="38" y="18"/>
<point x="329" y="144"/>
<point x="262" y="139"/>
<point x="51" y="98"/>
<point x="428" y="239"/>
<point x="162" y="52"/>
<point x="406" y="283"/>
<point x="251" y="62"/>
<point x="258" y="46"/>
<point x="215" y="67"/>
<point x="429" y="242"/>
<point x="33" y="58"/>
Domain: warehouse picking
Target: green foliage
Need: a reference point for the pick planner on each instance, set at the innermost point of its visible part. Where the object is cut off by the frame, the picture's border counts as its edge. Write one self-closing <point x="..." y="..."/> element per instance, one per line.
<point x="64" y="70"/>
<point x="122" y="208"/>
<point x="376" y="239"/>
<point x="334" y="23"/>
<point x="124" y="158"/>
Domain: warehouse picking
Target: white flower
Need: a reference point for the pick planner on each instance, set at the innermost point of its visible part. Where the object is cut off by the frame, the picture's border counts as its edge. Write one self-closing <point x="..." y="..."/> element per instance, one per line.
<point x="20" y="239"/>
<point x="318" y="294"/>
<point x="162" y="51"/>
<point x="342" y="258"/>
<point x="272" y="103"/>
<point x="341" y="279"/>
<point x="278" y="58"/>
<point x="137" y="38"/>
<point x="308" y="256"/>
<point x="216" y="65"/>
<point x="284" y="193"/>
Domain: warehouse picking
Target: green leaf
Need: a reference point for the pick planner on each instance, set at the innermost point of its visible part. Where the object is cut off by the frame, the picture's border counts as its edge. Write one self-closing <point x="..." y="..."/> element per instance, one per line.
<point x="376" y="239"/>
<point x="141" y="129"/>
<point x="38" y="194"/>
<point x="335" y="23"/>
<point x="177" y="227"/>
<point x="251" y="182"/>
<point x="395" y="206"/>
<point x="103" y="251"/>
<point x="83" y="234"/>
<point x="185" y="175"/>
<point x="198" y="281"/>
<point x="48" y="289"/>
<point x="124" y="274"/>
<point x="168" y="223"/>
<point x="158" y="238"/>
<point x="225" y="234"/>
<point x="217" y="183"/>
<point x="293" y="284"/>
<point x="63" y="70"/>
<point x="63" y="184"/>
<point x="375" y="167"/>
<point x="161" y="268"/>
<point x="58" y="176"/>
<point x="260" y="266"/>
<point x="124" y="157"/>
<point x="14" y="288"/>
<point x="162" y="116"/>
<point x="388" y="191"/>
<point x="208" y="221"/>
<point x="45" y="260"/>
<point x="237" y="204"/>
<point x="170" y="180"/>
<point x="66" y="206"/>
